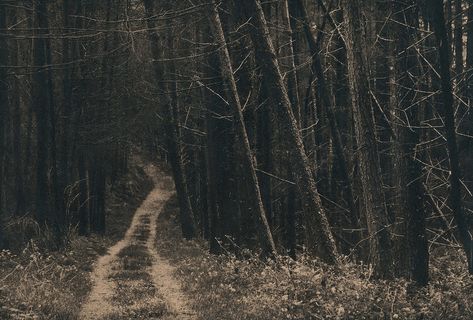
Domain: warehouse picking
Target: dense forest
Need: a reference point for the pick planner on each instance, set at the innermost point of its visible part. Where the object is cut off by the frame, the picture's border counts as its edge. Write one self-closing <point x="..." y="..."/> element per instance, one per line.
<point x="339" y="130"/>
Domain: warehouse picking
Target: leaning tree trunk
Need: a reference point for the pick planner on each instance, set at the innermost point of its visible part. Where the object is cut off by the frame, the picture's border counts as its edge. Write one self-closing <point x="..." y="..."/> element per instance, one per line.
<point x="323" y="92"/>
<point x="370" y="172"/>
<point x="434" y="8"/>
<point x="171" y="123"/>
<point x="264" y="233"/>
<point x="319" y="236"/>
<point x="293" y="94"/>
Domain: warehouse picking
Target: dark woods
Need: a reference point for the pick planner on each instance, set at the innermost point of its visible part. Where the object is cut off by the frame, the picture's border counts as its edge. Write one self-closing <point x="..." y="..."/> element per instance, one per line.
<point x="338" y="127"/>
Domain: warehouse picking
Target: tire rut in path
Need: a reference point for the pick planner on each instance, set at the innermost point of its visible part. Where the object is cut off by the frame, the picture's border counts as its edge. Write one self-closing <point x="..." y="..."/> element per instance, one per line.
<point x="132" y="281"/>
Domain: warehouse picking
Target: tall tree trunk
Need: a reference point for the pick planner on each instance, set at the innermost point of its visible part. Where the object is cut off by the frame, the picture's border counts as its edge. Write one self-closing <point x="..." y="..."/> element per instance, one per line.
<point x="41" y="109"/>
<point x="97" y="154"/>
<point x="57" y="192"/>
<point x="83" y="201"/>
<point x="292" y="83"/>
<point x="264" y="233"/>
<point x="408" y="188"/>
<point x="173" y="140"/>
<point x="370" y="172"/>
<point x="434" y="10"/>
<point x="17" y="131"/>
<point x="293" y="93"/>
<point x="214" y="144"/>
<point x="63" y="167"/>
<point x="3" y="110"/>
<point x="469" y="53"/>
<point x="176" y="150"/>
<point x="319" y="235"/>
<point x="458" y="38"/>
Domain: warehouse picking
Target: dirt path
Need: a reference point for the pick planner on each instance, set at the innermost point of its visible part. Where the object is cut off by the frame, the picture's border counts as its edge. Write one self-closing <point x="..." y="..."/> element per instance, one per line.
<point x="132" y="281"/>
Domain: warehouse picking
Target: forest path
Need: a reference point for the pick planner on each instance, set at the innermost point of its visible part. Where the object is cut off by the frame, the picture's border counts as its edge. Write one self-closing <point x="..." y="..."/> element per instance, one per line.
<point x="132" y="281"/>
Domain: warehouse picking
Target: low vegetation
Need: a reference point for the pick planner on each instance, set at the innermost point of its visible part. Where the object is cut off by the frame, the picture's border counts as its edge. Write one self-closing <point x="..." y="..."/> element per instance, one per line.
<point x="245" y="287"/>
<point x="41" y="282"/>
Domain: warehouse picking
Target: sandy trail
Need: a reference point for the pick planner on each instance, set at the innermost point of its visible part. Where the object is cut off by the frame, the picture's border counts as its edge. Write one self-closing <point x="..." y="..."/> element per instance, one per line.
<point x="158" y="283"/>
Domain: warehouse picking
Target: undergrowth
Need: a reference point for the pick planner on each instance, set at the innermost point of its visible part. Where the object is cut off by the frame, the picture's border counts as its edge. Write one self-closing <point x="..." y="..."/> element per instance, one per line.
<point x="227" y="287"/>
<point x="38" y="281"/>
<point x="36" y="284"/>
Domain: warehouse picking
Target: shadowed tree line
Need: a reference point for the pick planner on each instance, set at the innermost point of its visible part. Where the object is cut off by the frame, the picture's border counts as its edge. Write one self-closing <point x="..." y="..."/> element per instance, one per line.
<point x="332" y="127"/>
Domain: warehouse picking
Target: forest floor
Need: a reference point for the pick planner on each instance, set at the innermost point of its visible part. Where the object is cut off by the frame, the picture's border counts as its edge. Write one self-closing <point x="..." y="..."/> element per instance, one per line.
<point x="38" y="281"/>
<point x="242" y="286"/>
<point x="143" y="269"/>
<point x="132" y="281"/>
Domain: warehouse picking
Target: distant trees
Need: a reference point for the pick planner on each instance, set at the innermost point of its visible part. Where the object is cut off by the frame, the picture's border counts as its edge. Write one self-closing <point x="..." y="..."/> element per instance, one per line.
<point x="291" y="126"/>
<point x="56" y="131"/>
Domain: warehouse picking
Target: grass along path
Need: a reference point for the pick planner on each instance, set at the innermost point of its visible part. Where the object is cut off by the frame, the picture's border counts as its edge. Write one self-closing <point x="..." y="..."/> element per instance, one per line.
<point x="132" y="281"/>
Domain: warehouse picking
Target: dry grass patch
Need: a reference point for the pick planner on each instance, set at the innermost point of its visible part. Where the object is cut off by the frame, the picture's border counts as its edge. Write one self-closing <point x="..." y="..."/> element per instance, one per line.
<point x="226" y="287"/>
<point x="37" y="281"/>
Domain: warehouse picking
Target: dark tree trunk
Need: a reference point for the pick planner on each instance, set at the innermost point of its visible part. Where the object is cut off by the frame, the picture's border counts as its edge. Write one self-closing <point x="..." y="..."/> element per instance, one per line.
<point x="68" y="74"/>
<point x="469" y="52"/>
<point x="41" y="108"/>
<point x="458" y="37"/>
<point x="370" y="172"/>
<point x="3" y="111"/>
<point x="409" y="191"/>
<point x="176" y="153"/>
<point x="293" y="93"/>
<point x="83" y="201"/>
<point x="97" y="181"/>
<point x="57" y="193"/>
<point x="16" y="129"/>
<point x="434" y="10"/>
<point x="172" y="128"/>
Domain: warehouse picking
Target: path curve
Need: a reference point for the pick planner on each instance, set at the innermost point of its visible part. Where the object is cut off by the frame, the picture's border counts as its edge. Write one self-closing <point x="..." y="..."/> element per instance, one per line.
<point x="102" y="301"/>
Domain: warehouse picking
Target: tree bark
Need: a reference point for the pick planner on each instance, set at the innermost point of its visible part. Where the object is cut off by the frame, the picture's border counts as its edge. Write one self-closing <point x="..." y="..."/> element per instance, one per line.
<point x="319" y="235"/>
<point x="458" y="36"/>
<point x="408" y="188"/>
<point x="172" y="126"/>
<point x="3" y="111"/>
<point x="264" y="233"/>
<point x="434" y="10"/>
<point x="67" y="102"/>
<point x="175" y="153"/>
<point x="41" y="109"/>
<point x="370" y="172"/>
<point x="83" y="199"/>
<point x="323" y="93"/>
